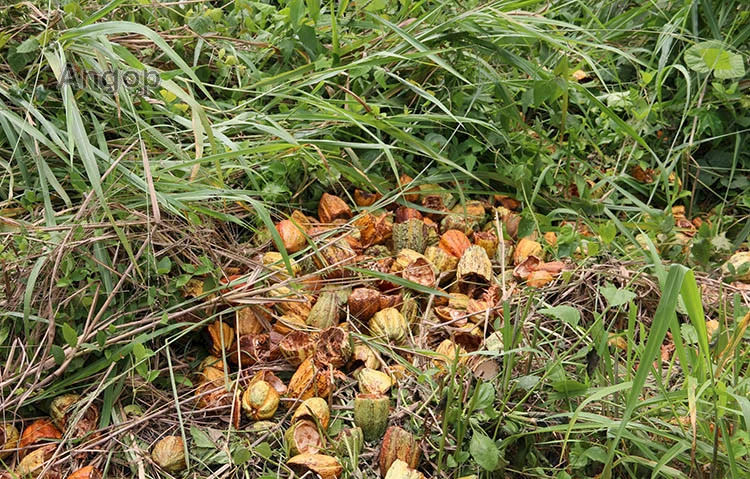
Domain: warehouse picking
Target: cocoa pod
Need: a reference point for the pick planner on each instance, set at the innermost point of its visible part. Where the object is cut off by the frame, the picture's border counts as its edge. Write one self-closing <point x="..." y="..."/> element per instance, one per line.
<point x="474" y="268"/>
<point x="37" y="433"/>
<point x="313" y="409"/>
<point x="363" y="303"/>
<point x="390" y="324"/>
<point x="398" y="444"/>
<point x="326" y="467"/>
<point x="303" y="437"/>
<point x="371" y="414"/>
<point x="333" y="347"/>
<point x="298" y="346"/>
<point x="309" y="381"/>
<point x="169" y="454"/>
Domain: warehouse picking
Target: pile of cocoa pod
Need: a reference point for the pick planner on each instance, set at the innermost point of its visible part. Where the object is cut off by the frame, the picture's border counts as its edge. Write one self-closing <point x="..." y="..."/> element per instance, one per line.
<point x="407" y="278"/>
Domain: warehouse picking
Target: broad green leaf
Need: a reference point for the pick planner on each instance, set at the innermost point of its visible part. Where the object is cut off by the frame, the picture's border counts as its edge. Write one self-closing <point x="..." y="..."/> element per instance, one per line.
<point x="567" y="314"/>
<point x="164" y="265"/>
<point x="263" y="450"/>
<point x="713" y="56"/>
<point x="484" y="451"/>
<point x="201" y="439"/>
<point x="608" y="232"/>
<point x="616" y="297"/>
<point x="485" y="396"/>
<point x="241" y="455"/>
<point x="70" y="335"/>
<point x="57" y="353"/>
<point x="30" y="45"/>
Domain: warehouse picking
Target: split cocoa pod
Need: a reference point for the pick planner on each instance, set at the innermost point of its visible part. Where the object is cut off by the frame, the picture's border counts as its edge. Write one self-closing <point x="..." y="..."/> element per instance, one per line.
<point x="86" y="472"/>
<point x="327" y="467"/>
<point x="308" y="381"/>
<point x="303" y="437"/>
<point x="36" y="434"/>
<point x="398" y="444"/>
<point x="401" y="470"/>
<point x="35" y="461"/>
<point x="64" y="413"/>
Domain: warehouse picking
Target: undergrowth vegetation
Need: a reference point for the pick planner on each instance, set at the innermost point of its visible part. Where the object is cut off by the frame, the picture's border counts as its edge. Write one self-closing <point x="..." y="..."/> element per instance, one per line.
<point x="146" y="146"/>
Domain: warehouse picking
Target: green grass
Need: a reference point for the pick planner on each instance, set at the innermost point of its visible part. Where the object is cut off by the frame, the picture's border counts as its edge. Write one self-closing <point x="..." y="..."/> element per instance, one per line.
<point x="112" y="201"/>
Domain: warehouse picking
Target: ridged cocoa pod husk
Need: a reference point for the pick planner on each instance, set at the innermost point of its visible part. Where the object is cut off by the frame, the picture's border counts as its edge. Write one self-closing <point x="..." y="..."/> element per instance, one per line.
<point x="289" y="323"/>
<point x="363" y="355"/>
<point x="333" y="208"/>
<point x="32" y="464"/>
<point x="221" y="336"/>
<point x="401" y="470"/>
<point x="364" y="198"/>
<point x="36" y="434"/>
<point x="487" y="240"/>
<point x="327" y="310"/>
<point x="403" y="258"/>
<point x="292" y="235"/>
<point x="371" y="414"/>
<point x="211" y="391"/>
<point x="410" y="309"/>
<point x="327" y="467"/>
<point x="212" y="361"/>
<point x="527" y="247"/>
<point x="363" y="303"/>
<point x="473" y="209"/>
<point x="440" y="259"/>
<point x="260" y="400"/>
<point x="539" y="278"/>
<point x="315" y="410"/>
<point x="291" y="303"/>
<point x="411" y="234"/>
<point x="308" y="381"/>
<point x="303" y="437"/>
<point x="474" y="268"/>
<point x="87" y="472"/>
<point x="454" y="242"/>
<point x="251" y="349"/>
<point x="435" y="206"/>
<point x="251" y="320"/>
<point x="391" y="301"/>
<point x="446" y="354"/>
<point x="270" y="378"/>
<point x="411" y="193"/>
<point x="404" y="214"/>
<point x="298" y="346"/>
<point x="372" y="381"/>
<point x="63" y="411"/>
<point x="458" y="222"/>
<point x="398" y="444"/>
<point x="382" y="265"/>
<point x="169" y="454"/>
<point x="389" y="324"/>
<point x="373" y="230"/>
<point x="333" y="259"/>
<point x="333" y="348"/>
<point x="420" y="271"/>
<point x="9" y="436"/>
